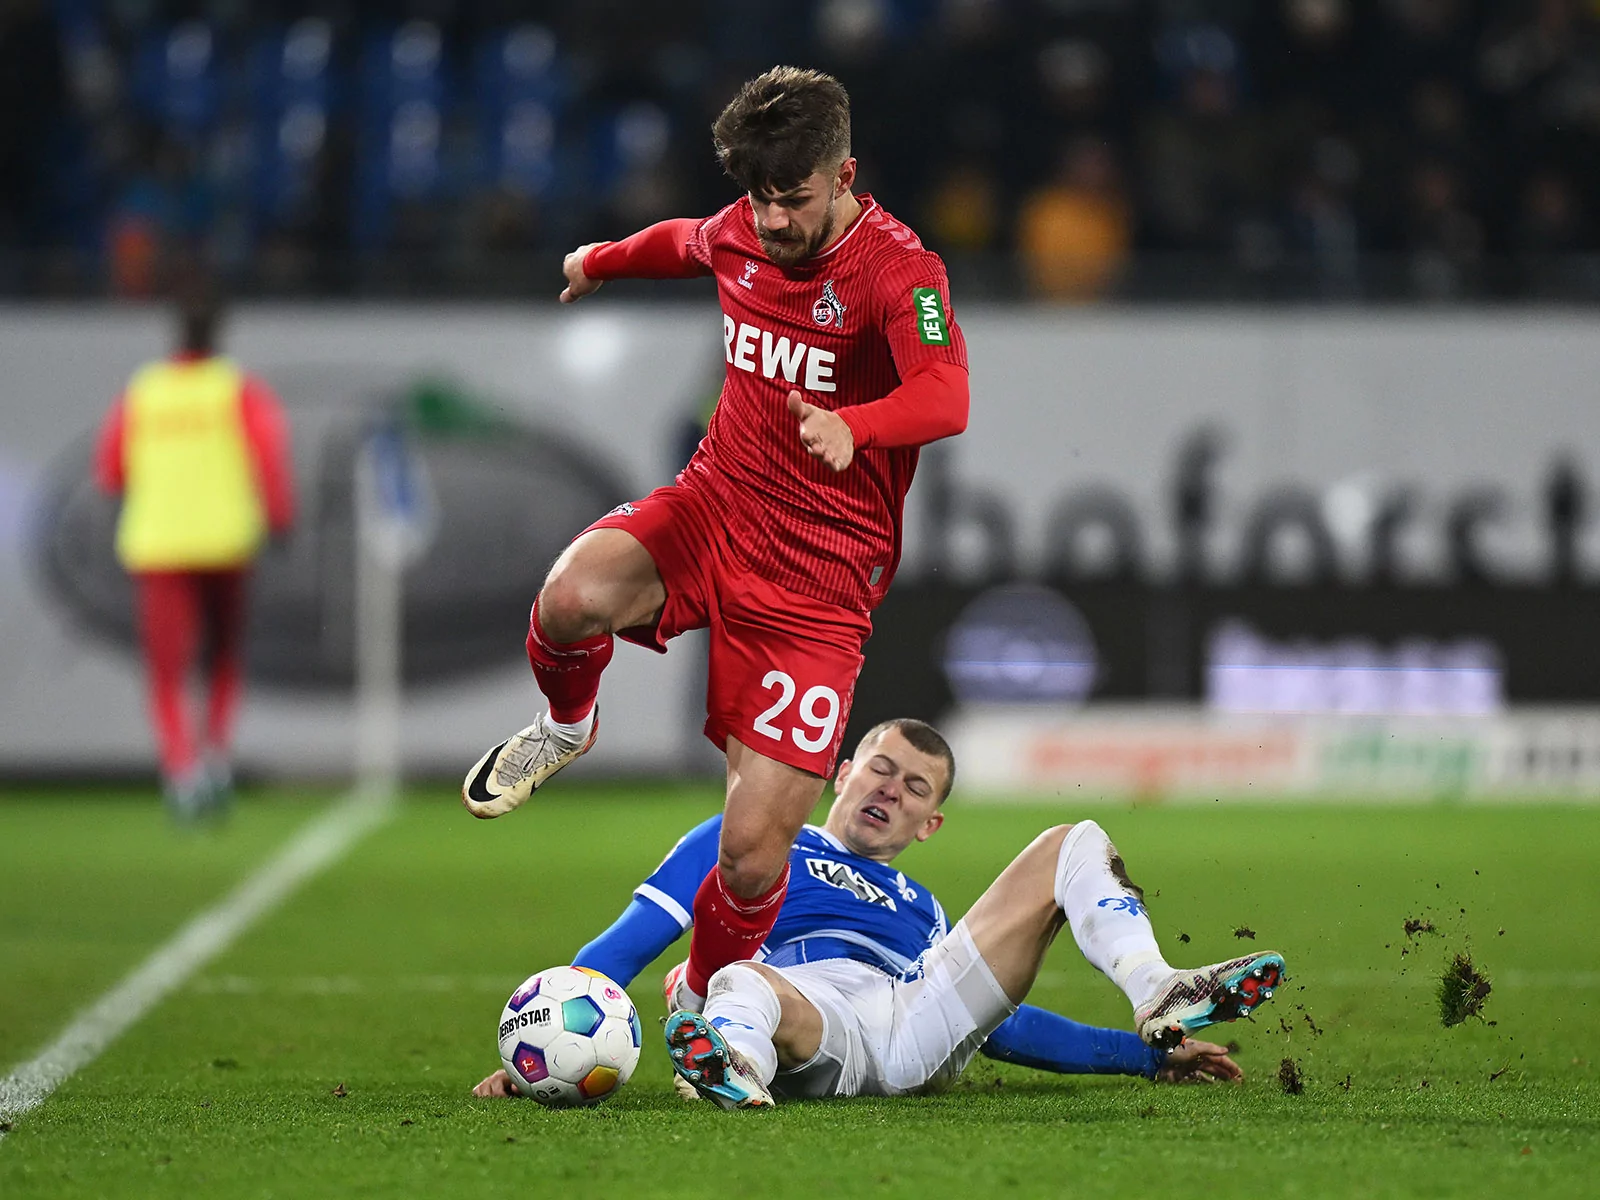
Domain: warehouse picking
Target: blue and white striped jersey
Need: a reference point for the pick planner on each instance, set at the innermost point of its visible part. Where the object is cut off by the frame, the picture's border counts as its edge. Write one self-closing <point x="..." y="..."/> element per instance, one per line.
<point x="839" y="905"/>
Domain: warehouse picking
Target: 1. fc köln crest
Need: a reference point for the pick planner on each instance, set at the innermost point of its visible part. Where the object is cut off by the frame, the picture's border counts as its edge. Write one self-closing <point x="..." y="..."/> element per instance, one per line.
<point x="828" y="310"/>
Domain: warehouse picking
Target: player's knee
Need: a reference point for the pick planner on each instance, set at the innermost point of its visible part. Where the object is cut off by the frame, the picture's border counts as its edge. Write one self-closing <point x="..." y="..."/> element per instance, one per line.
<point x="796" y="1024"/>
<point x="749" y="871"/>
<point x="569" y="606"/>
<point x="743" y="976"/>
<point x="1047" y="846"/>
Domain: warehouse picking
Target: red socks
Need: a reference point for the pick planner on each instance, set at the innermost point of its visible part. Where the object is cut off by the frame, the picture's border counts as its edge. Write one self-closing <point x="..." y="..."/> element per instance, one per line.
<point x="729" y="928"/>
<point x="568" y="675"/>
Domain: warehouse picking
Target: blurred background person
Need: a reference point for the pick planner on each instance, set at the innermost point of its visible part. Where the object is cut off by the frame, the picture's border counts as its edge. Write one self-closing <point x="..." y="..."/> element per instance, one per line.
<point x="199" y="452"/>
<point x="1075" y="232"/>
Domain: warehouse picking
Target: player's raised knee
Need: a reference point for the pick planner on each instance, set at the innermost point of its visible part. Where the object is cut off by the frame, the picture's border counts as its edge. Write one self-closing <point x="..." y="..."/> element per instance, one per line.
<point x="1048" y="844"/>
<point x="571" y="604"/>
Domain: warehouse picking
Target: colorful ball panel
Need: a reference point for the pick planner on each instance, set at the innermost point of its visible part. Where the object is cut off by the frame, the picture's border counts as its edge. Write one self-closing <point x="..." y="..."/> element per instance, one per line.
<point x="529" y="1063"/>
<point x="601" y="1081"/>
<point x="528" y="990"/>
<point x="581" y="1015"/>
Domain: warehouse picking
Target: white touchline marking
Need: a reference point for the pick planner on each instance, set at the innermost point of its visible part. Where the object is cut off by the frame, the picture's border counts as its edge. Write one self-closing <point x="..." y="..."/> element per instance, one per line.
<point x="321" y="843"/>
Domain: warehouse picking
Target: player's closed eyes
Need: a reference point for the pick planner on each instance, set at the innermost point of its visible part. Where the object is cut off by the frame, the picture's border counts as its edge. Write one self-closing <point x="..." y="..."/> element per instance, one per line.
<point x="916" y="785"/>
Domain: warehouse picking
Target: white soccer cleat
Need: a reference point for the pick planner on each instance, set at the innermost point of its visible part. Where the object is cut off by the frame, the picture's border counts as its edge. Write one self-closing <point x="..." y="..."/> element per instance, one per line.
<point x="508" y="774"/>
<point x="704" y="1060"/>
<point x="676" y="993"/>
<point x="1191" y="1000"/>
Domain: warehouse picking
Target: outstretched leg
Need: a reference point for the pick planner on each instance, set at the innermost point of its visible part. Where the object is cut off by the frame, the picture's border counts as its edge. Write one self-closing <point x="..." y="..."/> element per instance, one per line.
<point x="1073" y="875"/>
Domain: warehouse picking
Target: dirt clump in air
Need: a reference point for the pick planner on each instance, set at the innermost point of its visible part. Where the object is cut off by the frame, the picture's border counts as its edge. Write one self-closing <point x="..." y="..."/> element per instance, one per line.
<point x="1289" y="1078"/>
<point x="1463" y="990"/>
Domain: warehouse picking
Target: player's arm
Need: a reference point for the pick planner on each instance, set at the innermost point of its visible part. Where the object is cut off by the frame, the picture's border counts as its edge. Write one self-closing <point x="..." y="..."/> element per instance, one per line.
<point x="930" y="403"/>
<point x="913" y="300"/>
<point x="1047" y="1041"/>
<point x="665" y="250"/>
<point x="267" y="433"/>
<point x="109" y="470"/>
<point x="661" y="909"/>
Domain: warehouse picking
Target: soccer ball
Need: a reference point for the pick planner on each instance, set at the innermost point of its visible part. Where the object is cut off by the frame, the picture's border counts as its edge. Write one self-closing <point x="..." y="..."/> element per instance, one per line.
<point x="569" y="1036"/>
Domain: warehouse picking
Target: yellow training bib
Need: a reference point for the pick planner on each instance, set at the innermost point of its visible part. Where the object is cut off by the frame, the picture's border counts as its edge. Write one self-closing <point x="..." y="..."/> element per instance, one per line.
<point x="191" y="500"/>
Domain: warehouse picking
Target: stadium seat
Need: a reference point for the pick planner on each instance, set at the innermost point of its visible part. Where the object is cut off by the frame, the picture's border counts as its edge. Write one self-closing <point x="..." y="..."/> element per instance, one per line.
<point x="176" y="79"/>
<point x="404" y="101"/>
<point x="519" y="88"/>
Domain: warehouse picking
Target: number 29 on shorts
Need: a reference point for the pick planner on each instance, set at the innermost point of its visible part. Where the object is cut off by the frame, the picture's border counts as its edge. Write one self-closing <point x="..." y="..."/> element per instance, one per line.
<point x="818" y="712"/>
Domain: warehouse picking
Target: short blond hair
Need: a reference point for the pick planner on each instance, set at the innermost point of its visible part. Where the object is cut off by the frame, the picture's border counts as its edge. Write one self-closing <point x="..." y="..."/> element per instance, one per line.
<point x="923" y="737"/>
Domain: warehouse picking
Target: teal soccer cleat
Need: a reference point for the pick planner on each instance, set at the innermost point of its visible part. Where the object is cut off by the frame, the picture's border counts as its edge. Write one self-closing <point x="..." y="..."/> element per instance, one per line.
<point x="704" y="1060"/>
<point x="1191" y="1000"/>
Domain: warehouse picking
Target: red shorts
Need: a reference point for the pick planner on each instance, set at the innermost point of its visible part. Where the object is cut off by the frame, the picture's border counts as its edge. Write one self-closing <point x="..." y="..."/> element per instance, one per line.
<point x="783" y="666"/>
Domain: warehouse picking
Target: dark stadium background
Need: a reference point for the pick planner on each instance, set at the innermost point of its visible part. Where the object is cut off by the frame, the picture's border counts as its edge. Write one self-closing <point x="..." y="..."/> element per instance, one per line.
<point x="1395" y="150"/>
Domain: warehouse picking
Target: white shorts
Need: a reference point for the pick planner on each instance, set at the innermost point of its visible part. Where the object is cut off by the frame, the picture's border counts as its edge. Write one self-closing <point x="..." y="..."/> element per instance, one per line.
<point x="885" y="1036"/>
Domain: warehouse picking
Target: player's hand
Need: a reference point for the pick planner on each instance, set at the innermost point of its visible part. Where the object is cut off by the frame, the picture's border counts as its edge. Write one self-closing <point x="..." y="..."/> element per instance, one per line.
<point x="1197" y="1062"/>
<point x="824" y="434"/>
<point x="498" y="1084"/>
<point x="578" y="284"/>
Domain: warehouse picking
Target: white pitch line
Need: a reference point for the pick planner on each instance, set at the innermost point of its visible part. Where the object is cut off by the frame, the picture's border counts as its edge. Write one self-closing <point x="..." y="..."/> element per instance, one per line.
<point x="321" y="843"/>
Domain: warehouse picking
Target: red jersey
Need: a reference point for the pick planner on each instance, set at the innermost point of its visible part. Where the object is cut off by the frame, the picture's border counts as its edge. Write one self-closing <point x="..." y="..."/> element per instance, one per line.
<point x="846" y="328"/>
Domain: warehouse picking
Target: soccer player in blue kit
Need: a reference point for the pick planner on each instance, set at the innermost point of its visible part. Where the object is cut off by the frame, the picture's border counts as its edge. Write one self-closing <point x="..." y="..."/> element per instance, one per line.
<point x="864" y="988"/>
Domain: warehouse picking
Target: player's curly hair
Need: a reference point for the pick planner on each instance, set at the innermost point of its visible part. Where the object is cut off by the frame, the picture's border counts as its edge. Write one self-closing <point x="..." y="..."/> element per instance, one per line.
<point x="923" y="737"/>
<point x="782" y="126"/>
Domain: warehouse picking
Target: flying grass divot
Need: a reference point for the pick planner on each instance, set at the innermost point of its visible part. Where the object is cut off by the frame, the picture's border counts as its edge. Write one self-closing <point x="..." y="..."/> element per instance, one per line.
<point x="1289" y="1078"/>
<point x="1463" y="989"/>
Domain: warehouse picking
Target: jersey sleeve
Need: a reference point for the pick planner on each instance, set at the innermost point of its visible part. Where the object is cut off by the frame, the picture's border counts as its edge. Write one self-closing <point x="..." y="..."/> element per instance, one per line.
<point x="930" y="403"/>
<point x="672" y="885"/>
<point x="109" y="471"/>
<point x="915" y="314"/>
<point x="267" y="432"/>
<point x="632" y="943"/>
<point x="674" y="249"/>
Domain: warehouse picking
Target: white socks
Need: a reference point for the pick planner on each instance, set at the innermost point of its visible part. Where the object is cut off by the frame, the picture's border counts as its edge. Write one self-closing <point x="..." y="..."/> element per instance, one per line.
<point x="572" y="735"/>
<point x="743" y="1008"/>
<point x="1107" y="918"/>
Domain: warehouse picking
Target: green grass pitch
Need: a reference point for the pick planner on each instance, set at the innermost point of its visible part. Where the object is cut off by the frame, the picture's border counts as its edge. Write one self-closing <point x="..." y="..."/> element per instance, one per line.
<point x="386" y="975"/>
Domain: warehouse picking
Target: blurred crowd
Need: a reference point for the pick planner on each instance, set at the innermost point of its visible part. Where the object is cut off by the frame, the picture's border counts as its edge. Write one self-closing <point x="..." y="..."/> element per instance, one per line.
<point x="1070" y="149"/>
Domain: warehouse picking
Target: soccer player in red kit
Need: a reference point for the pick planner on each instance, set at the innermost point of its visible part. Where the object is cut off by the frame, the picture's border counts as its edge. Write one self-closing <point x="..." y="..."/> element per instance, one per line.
<point x="784" y="530"/>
